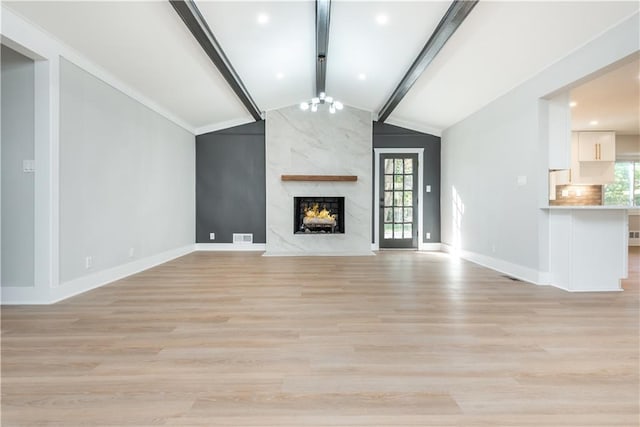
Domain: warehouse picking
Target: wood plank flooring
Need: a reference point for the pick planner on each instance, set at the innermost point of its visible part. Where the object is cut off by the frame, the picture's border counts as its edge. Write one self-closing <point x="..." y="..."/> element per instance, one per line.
<point x="399" y="339"/>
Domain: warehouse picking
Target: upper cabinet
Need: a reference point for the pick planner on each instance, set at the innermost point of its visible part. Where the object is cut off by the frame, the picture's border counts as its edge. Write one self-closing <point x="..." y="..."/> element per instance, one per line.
<point x="596" y="146"/>
<point x="593" y="158"/>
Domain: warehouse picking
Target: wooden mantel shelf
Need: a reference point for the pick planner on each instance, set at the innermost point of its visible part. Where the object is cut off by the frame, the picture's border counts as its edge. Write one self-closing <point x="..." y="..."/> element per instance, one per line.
<point x="341" y="178"/>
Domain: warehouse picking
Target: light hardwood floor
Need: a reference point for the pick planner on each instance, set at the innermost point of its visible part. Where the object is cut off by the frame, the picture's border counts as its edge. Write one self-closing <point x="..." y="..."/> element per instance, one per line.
<point x="402" y="338"/>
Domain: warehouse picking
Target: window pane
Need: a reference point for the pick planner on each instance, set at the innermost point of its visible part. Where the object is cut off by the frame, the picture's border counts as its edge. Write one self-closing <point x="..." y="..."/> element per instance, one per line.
<point x="388" y="215"/>
<point x="398" y="182"/>
<point x="636" y="184"/>
<point x="407" y="231"/>
<point x="398" y="168"/>
<point x="397" y="231"/>
<point x="397" y="214"/>
<point x="408" y="215"/>
<point x="620" y="192"/>
<point x="388" y="231"/>
<point x="388" y="198"/>
<point x="388" y="165"/>
<point x="408" y="198"/>
<point x="397" y="198"/>
<point x="408" y="165"/>
<point x="408" y="182"/>
<point x="388" y="182"/>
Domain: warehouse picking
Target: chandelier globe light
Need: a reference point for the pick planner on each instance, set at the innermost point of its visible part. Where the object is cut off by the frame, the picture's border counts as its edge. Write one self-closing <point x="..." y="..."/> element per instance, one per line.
<point x="322" y="98"/>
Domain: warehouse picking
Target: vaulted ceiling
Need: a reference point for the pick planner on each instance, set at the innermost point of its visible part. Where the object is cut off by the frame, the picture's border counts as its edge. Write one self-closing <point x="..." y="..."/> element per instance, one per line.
<point x="271" y="45"/>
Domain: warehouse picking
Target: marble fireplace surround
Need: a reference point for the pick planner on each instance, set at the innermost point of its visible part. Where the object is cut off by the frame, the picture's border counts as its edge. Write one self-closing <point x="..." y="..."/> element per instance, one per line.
<point x="305" y="143"/>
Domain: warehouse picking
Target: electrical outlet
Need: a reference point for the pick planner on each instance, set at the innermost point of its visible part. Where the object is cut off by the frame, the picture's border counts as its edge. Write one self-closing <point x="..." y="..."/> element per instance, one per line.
<point x="88" y="262"/>
<point x="493" y="248"/>
<point x="212" y="236"/>
<point x="428" y="236"/>
<point x="131" y="252"/>
<point x="428" y="189"/>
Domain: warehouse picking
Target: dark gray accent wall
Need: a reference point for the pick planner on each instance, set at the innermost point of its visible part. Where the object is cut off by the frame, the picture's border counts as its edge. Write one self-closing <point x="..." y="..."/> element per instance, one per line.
<point x="389" y="136"/>
<point x="230" y="184"/>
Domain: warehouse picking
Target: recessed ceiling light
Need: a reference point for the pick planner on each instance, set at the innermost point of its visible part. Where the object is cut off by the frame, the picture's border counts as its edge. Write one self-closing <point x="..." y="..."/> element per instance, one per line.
<point x="362" y="76"/>
<point x="263" y="18"/>
<point x="593" y="122"/>
<point x="279" y="76"/>
<point x="573" y="104"/>
<point x="382" y="19"/>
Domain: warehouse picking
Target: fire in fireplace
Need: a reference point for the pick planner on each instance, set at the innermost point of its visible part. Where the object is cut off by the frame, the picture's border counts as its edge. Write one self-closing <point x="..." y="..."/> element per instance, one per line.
<point x="318" y="215"/>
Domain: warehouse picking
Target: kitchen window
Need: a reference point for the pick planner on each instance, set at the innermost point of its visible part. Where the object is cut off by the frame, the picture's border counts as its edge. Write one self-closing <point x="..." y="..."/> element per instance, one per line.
<point x="625" y="191"/>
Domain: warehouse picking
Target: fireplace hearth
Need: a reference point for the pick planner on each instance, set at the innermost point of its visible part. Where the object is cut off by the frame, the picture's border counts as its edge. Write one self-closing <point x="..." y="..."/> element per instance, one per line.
<point x="318" y="215"/>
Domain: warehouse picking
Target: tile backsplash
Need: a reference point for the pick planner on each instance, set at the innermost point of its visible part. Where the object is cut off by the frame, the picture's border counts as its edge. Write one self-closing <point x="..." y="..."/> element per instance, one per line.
<point x="577" y="195"/>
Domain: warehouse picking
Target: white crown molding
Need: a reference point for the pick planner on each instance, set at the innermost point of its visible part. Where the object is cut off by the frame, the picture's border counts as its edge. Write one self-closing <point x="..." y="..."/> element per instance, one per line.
<point x="222" y="125"/>
<point x="408" y="124"/>
<point x="13" y="24"/>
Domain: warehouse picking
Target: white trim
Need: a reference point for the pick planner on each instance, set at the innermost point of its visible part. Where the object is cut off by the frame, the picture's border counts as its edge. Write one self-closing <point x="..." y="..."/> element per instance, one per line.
<point x="16" y="295"/>
<point x="420" y="127"/>
<point x="375" y="247"/>
<point x="514" y="270"/>
<point x="431" y="247"/>
<point x="222" y="125"/>
<point x="314" y="254"/>
<point x="376" y="187"/>
<point x="15" y="26"/>
<point x="248" y="247"/>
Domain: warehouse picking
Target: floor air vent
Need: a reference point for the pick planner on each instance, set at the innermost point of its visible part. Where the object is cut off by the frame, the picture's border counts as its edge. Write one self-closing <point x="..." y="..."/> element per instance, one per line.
<point x="242" y="238"/>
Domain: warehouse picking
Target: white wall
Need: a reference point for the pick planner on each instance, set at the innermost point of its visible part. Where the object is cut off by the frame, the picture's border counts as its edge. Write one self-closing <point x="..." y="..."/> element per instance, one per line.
<point x="18" y="238"/>
<point x="305" y="143"/>
<point x="127" y="178"/>
<point x="502" y="224"/>
<point x="628" y="147"/>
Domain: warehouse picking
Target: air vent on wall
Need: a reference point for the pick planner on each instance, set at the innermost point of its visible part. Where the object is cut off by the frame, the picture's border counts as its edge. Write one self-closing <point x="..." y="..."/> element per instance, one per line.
<point x="242" y="238"/>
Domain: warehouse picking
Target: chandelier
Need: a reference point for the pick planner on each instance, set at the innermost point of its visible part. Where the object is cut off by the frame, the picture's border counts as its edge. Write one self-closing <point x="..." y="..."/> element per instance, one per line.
<point x="321" y="99"/>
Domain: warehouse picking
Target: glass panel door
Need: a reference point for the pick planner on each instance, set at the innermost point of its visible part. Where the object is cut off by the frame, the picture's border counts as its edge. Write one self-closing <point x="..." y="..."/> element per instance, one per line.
<point x="398" y="201"/>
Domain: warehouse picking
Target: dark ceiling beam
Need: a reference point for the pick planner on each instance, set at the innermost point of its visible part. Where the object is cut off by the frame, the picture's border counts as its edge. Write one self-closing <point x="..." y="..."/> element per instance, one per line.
<point x="188" y="11"/>
<point x="323" y="13"/>
<point x="448" y="25"/>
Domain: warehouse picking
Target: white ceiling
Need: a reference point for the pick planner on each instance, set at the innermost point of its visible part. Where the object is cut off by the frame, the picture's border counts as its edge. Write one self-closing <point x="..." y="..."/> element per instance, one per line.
<point x="147" y="47"/>
<point x="611" y="99"/>
<point x="499" y="46"/>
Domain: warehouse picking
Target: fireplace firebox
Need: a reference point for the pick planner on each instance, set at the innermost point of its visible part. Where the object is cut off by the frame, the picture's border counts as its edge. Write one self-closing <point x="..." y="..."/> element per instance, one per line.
<point x="318" y="215"/>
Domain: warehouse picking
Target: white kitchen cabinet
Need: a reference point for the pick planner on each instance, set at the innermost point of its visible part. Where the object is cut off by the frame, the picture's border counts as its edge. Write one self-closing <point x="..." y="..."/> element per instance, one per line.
<point x="592" y="172"/>
<point x="596" y="147"/>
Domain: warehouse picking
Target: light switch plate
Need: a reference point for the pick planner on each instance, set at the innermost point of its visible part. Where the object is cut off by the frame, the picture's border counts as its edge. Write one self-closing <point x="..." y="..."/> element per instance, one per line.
<point x="522" y="180"/>
<point x="28" y="166"/>
<point x="428" y="189"/>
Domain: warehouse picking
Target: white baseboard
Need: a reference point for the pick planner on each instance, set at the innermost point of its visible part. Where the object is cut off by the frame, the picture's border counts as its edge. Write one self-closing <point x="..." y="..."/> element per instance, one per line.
<point x="261" y="247"/>
<point x="514" y="270"/>
<point x="27" y="295"/>
<point x="421" y="247"/>
<point x="15" y="296"/>
<point x="366" y="253"/>
<point x="430" y="247"/>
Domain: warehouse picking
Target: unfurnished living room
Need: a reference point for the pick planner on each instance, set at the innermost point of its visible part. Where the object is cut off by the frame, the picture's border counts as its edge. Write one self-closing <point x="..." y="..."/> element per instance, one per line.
<point x="320" y="213"/>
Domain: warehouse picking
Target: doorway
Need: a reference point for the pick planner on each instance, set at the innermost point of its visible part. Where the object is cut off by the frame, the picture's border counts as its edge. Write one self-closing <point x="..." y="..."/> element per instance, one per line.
<point x="398" y="214"/>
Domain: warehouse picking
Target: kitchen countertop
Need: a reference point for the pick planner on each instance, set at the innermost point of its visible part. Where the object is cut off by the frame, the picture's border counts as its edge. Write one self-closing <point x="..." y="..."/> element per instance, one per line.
<point x="626" y="208"/>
